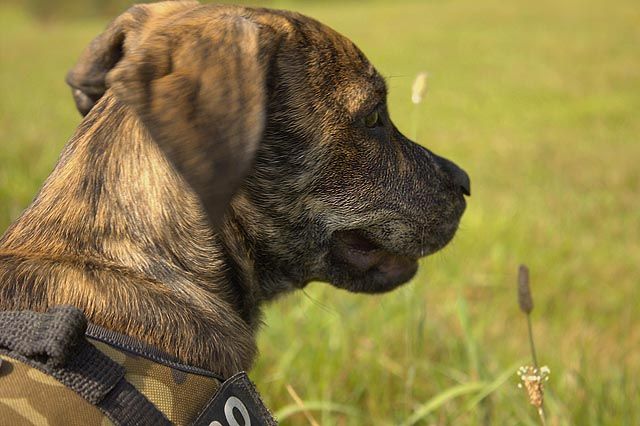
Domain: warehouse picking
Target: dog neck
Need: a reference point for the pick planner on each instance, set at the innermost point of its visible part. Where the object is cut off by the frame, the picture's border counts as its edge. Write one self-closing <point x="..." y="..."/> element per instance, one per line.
<point x="116" y="232"/>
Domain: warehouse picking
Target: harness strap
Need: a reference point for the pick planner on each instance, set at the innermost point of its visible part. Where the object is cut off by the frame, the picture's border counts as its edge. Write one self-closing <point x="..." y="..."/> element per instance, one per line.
<point x="49" y="337"/>
<point x="54" y="343"/>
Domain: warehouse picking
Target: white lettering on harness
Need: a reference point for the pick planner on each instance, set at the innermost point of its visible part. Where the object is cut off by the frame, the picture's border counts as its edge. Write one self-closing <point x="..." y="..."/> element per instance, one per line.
<point x="229" y="405"/>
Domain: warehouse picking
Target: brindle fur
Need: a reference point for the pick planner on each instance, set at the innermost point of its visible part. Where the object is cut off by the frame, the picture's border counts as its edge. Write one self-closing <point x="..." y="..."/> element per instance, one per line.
<point x="222" y="162"/>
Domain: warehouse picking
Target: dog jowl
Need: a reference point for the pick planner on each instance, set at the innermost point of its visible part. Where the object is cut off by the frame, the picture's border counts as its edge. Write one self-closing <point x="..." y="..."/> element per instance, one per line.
<point x="228" y="155"/>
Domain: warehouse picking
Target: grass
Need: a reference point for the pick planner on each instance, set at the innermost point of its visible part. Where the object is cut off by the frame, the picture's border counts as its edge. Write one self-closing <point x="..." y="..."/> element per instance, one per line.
<point x="539" y="101"/>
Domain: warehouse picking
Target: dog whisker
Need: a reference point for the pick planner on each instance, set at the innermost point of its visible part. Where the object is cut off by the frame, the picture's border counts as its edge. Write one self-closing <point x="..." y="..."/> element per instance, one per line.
<point x="326" y="308"/>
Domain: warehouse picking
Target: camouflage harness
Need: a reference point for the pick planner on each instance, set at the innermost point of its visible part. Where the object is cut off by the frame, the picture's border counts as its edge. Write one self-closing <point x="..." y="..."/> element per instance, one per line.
<point x="55" y="369"/>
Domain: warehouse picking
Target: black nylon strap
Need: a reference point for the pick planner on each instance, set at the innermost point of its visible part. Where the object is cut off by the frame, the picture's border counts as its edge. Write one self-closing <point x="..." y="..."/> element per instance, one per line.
<point x="54" y="343"/>
<point x="49" y="336"/>
<point x="125" y="406"/>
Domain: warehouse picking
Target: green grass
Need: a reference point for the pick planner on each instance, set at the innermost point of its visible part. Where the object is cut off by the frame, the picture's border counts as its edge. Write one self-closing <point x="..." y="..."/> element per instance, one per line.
<point x="539" y="101"/>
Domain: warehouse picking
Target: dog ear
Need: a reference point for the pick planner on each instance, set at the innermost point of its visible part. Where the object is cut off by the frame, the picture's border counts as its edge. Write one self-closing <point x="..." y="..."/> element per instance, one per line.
<point x="88" y="77"/>
<point x="198" y="85"/>
<point x="195" y="76"/>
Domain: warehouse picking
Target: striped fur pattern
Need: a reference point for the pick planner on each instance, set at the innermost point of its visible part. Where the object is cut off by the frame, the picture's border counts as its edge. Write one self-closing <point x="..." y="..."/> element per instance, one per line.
<point x="227" y="156"/>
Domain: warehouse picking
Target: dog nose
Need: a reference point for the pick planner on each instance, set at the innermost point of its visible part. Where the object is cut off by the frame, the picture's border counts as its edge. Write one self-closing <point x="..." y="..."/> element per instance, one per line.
<point x="459" y="176"/>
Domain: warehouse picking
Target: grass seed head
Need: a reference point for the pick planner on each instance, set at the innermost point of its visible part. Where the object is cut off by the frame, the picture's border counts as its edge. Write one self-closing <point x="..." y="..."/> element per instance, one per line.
<point x="419" y="88"/>
<point x="532" y="380"/>
<point x="524" y="292"/>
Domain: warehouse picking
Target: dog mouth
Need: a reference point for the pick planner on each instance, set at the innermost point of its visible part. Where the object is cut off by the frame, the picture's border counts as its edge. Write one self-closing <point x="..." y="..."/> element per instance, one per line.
<point x="371" y="267"/>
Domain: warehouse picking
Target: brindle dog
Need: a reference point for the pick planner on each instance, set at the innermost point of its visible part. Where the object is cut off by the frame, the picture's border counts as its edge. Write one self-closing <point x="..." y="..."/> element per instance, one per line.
<point x="228" y="155"/>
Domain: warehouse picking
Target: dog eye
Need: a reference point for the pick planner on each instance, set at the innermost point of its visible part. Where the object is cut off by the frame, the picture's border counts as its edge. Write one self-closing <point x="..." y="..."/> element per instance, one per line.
<point x="372" y="120"/>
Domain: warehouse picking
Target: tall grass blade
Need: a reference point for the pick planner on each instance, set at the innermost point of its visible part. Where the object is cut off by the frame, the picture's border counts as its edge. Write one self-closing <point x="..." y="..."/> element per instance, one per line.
<point x="469" y="341"/>
<point x="434" y="403"/>
<point x="289" y="410"/>
<point x="492" y="386"/>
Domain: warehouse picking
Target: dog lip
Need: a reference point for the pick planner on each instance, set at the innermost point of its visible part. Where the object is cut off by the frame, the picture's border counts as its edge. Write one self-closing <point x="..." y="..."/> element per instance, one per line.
<point x="363" y="256"/>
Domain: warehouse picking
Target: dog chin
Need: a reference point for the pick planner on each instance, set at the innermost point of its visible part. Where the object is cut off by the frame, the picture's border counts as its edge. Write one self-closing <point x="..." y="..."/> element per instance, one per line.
<point x="375" y="281"/>
<point x="357" y="264"/>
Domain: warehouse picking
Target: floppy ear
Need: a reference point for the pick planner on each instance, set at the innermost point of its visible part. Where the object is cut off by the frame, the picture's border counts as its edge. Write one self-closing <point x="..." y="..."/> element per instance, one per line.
<point x="197" y="82"/>
<point x="199" y="89"/>
<point x="88" y="77"/>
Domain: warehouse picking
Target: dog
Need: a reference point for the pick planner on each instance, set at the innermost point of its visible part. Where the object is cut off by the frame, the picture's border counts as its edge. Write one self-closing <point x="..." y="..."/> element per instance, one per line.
<point x="228" y="155"/>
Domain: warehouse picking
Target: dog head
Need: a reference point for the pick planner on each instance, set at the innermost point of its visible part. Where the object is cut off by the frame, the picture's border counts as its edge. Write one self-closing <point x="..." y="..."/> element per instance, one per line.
<point x="280" y="125"/>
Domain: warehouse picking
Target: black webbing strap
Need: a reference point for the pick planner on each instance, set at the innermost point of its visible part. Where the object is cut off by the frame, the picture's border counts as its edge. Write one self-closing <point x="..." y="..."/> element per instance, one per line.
<point x="54" y="343"/>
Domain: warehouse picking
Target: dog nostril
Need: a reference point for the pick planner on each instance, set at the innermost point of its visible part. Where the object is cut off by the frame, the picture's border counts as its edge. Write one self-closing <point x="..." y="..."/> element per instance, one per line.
<point x="460" y="177"/>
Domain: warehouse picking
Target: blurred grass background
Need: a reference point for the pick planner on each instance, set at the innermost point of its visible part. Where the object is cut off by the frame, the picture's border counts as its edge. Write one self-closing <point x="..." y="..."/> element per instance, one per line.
<point x="540" y="102"/>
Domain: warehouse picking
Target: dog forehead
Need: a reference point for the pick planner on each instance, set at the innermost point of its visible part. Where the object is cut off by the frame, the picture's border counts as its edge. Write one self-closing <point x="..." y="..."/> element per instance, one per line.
<point x="338" y="65"/>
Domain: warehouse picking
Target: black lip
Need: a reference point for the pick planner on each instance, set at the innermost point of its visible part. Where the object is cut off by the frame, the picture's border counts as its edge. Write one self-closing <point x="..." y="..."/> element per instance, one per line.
<point x="372" y="268"/>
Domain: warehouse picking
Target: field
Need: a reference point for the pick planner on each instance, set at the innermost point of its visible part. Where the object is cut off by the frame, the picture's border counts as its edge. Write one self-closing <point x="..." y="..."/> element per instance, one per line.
<point x="540" y="103"/>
